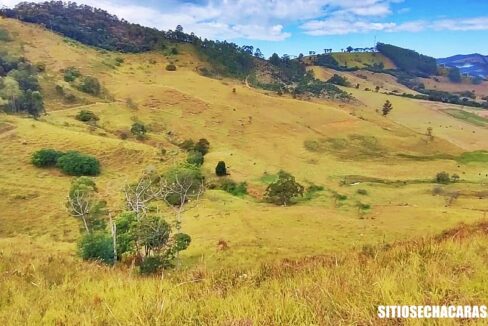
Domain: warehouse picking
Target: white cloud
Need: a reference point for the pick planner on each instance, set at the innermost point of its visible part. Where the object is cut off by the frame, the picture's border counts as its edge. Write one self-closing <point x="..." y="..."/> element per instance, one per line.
<point x="267" y="19"/>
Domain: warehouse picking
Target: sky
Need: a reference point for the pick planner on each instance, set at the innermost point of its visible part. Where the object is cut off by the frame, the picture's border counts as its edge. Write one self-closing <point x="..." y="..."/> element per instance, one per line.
<point x="438" y="28"/>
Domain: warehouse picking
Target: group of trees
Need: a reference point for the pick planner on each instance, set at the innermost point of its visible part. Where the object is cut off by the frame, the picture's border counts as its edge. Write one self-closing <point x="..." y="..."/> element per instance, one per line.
<point x="289" y="70"/>
<point x="19" y="86"/>
<point x="196" y="150"/>
<point x="138" y="233"/>
<point x="408" y="60"/>
<point x="86" y="84"/>
<point x="71" y="163"/>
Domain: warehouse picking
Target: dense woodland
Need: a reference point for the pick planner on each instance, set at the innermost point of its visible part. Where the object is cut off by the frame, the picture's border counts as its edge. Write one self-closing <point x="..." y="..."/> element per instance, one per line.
<point x="408" y="60"/>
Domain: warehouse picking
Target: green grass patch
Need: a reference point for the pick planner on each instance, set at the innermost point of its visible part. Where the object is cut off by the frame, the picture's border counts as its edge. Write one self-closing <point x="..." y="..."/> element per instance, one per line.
<point x="468" y="117"/>
<point x="473" y="157"/>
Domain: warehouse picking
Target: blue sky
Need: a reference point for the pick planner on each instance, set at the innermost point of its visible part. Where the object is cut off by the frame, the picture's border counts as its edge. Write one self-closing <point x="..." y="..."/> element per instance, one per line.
<point x="438" y="28"/>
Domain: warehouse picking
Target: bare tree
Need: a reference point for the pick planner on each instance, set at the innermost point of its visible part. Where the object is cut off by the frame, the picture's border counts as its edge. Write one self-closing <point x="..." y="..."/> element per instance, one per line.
<point x="148" y="188"/>
<point x="182" y="193"/>
<point x="80" y="204"/>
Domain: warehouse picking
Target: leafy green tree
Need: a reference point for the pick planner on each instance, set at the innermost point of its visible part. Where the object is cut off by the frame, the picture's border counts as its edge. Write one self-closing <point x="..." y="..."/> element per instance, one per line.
<point x="78" y="164"/>
<point x="71" y="74"/>
<point x="221" y="169"/>
<point x="387" y="108"/>
<point x="283" y="190"/>
<point x="339" y="80"/>
<point x="46" y="157"/>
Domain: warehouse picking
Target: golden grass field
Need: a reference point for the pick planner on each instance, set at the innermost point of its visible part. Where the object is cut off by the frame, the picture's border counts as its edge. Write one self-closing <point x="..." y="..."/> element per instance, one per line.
<point x="42" y="281"/>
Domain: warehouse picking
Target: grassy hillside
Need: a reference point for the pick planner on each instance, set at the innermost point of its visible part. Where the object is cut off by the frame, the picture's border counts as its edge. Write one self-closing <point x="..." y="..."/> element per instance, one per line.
<point x="342" y="147"/>
<point x="362" y="60"/>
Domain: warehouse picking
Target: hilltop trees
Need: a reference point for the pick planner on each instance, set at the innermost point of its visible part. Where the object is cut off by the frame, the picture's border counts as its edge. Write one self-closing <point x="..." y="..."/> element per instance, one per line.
<point x="283" y="190"/>
<point x="408" y="60"/>
<point x="387" y="108"/>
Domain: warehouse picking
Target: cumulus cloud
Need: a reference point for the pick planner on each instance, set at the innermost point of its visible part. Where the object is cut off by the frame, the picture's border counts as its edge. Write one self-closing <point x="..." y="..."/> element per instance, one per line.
<point x="268" y="19"/>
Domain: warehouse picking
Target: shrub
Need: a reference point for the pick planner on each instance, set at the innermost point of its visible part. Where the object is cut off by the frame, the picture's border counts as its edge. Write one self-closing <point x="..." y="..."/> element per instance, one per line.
<point x="46" y="157"/>
<point x="221" y="169"/>
<point x="195" y="158"/>
<point x="139" y="130"/>
<point x="97" y="246"/>
<point x="339" y="80"/>
<point x="234" y="188"/>
<point x="90" y="85"/>
<point x="442" y="178"/>
<point x="78" y="164"/>
<point x="171" y="67"/>
<point x="71" y="73"/>
<point x="187" y="145"/>
<point x="87" y="116"/>
<point x="362" y="192"/>
<point x="202" y="146"/>
<point x="151" y="265"/>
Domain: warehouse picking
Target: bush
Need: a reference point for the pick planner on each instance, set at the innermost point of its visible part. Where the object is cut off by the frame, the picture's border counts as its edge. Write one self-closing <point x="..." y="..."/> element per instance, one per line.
<point x="202" y="146"/>
<point x="187" y="145"/>
<point x="182" y="241"/>
<point x="90" y="85"/>
<point x="87" y="116"/>
<point x="234" y="188"/>
<point x="171" y="67"/>
<point x="442" y="178"/>
<point x="78" y="164"/>
<point x="139" y="130"/>
<point x="151" y="265"/>
<point x="71" y="73"/>
<point x="362" y="192"/>
<point x="221" y="169"/>
<point x="46" y="158"/>
<point x="195" y="158"/>
<point x="97" y="246"/>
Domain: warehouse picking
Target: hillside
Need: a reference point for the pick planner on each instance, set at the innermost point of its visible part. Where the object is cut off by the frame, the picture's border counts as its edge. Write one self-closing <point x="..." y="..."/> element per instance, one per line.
<point x="471" y="64"/>
<point x="370" y="181"/>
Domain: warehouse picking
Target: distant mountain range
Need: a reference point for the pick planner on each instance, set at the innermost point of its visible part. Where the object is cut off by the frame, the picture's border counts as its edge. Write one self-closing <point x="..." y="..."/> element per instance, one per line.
<point x="473" y="64"/>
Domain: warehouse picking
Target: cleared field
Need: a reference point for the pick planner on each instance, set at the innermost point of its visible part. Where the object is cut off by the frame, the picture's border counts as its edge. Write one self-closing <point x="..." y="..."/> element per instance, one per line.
<point x="443" y="84"/>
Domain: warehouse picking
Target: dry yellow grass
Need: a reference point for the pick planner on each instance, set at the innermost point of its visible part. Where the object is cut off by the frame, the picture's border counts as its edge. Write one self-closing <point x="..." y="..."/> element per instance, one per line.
<point x="254" y="133"/>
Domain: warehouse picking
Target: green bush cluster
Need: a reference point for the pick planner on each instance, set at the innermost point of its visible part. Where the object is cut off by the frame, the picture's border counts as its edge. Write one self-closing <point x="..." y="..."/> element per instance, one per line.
<point x="71" y="163"/>
<point x="87" y="116"/>
<point x="233" y="188"/>
<point x="97" y="246"/>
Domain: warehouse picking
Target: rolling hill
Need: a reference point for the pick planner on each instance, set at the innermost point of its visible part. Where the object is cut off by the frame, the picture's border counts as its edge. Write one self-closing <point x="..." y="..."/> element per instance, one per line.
<point x="471" y="64"/>
<point x="369" y="228"/>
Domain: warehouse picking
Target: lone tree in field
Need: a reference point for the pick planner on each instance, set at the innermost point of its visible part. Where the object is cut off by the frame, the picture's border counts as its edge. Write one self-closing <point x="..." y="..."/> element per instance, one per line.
<point x="283" y="190"/>
<point x="387" y="107"/>
<point x="139" y="130"/>
<point x="221" y="169"/>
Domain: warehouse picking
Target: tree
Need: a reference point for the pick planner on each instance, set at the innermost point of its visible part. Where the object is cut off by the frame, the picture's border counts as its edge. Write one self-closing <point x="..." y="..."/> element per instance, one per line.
<point x="387" y="108"/>
<point x="97" y="246"/>
<point x="149" y="187"/>
<point x="349" y="49"/>
<point x="455" y="178"/>
<point x="258" y="54"/>
<point x="283" y="190"/>
<point x="442" y="178"/>
<point x="83" y="203"/>
<point x="139" y="130"/>
<point x="221" y="169"/>
<point x="183" y="186"/>
<point x="454" y="75"/>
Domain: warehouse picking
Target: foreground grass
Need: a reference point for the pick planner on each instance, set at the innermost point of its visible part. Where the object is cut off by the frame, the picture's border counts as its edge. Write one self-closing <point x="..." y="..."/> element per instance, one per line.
<point x="40" y="286"/>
